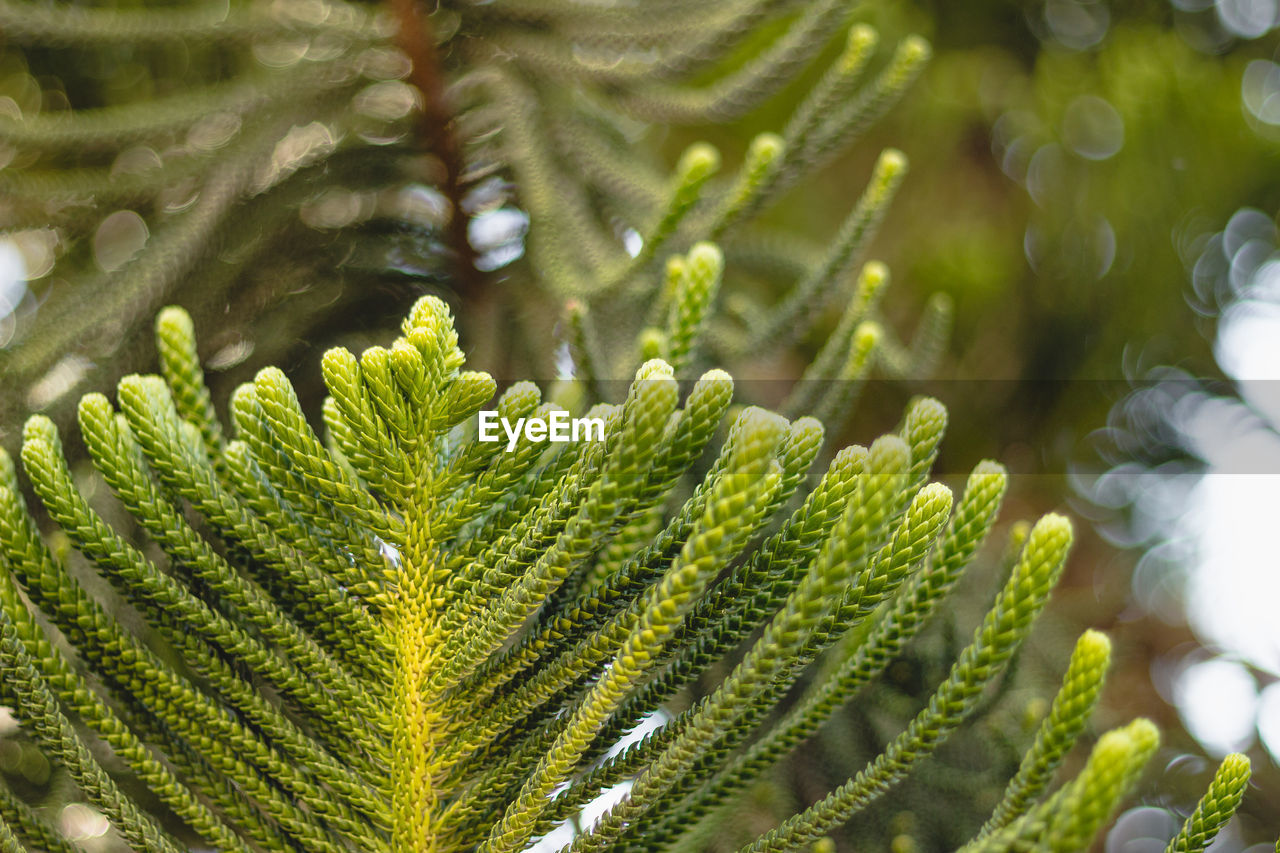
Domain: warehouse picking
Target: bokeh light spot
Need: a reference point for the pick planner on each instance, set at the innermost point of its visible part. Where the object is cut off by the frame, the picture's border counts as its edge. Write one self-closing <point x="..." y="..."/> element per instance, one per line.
<point x="1092" y="128"/>
<point x="1218" y="700"/>
<point x="120" y="236"/>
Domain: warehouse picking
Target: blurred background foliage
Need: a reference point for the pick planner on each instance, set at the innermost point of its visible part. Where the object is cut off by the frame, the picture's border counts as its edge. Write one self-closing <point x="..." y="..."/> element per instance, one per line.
<point x="1137" y="148"/>
<point x="1073" y="164"/>
<point x="1095" y="186"/>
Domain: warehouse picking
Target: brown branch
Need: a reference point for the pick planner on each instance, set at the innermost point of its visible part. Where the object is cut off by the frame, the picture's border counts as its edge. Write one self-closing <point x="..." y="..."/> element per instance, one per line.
<point x="438" y="132"/>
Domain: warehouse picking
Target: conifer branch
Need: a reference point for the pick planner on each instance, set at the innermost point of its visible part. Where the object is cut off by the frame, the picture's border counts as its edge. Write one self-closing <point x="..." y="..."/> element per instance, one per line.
<point x="498" y="618"/>
<point x="1215" y="808"/>
<point x="383" y="629"/>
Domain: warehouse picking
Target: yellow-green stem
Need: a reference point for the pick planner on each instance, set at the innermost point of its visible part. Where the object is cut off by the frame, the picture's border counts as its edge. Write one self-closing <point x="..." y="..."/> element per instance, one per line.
<point x="416" y="718"/>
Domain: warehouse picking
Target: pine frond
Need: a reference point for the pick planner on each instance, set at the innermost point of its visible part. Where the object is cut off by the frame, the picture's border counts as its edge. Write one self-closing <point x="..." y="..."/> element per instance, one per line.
<point x="426" y="627"/>
<point x="415" y="635"/>
<point x="1215" y="808"/>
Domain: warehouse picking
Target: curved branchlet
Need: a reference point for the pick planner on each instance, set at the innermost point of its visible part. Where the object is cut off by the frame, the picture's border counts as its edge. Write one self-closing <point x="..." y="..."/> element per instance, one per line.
<point x="1003" y="629"/>
<point x="1072" y="815"/>
<point x="797" y="309"/>
<point x="1067" y="716"/>
<point x="690" y="304"/>
<point x="1215" y="808"/>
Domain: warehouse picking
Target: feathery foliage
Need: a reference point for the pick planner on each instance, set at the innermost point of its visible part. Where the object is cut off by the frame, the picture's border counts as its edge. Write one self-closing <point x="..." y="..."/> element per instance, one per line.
<point x="396" y="636"/>
<point x="402" y="637"/>
<point x="282" y="161"/>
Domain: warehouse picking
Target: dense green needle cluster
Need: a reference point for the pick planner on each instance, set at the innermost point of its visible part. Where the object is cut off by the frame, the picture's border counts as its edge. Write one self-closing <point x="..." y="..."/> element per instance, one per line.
<point x="364" y="628"/>
<point x="400" y="637"/>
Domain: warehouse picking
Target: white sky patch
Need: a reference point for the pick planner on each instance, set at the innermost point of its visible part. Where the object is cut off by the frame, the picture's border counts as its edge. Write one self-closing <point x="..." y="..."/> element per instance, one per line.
<point x="1218" y="702"/>
<point x="498" y="237"/>
<point x="13" y="277"/>
<point x="564" y="361"/>
<point x="647" y="726"/>
<point x="598" y="807"/>
<point x="564" y="832"/>
<point x="1269" y="719"/>
<point x="13" y="287"/>
<point x="389" y="552"/>
<point x="1233" y="591"/>
<point x="632" y="242"/>
<point x="1227" y="526"/>
<point x="555" y="839"/>
<point x="1248" y="348"/>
